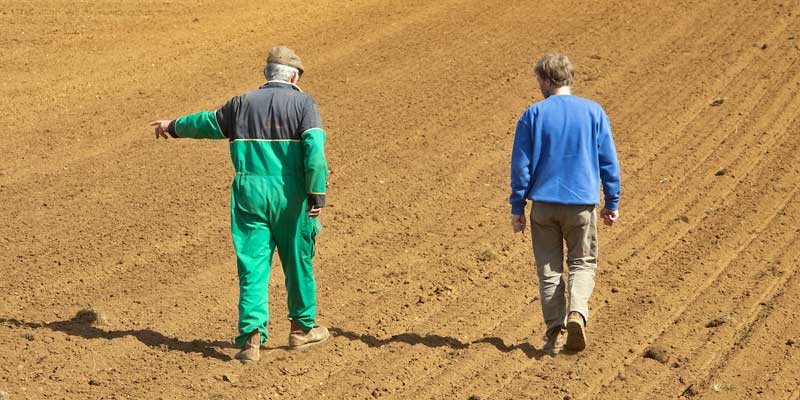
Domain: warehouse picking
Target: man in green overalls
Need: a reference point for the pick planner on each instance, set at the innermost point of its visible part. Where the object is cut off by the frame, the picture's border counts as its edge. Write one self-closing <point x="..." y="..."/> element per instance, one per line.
<point x="277" y="148"/>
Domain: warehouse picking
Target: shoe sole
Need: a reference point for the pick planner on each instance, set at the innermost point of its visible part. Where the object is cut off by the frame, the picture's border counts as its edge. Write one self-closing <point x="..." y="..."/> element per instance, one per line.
<point x="576" y="338"/>
<point x="309" y="345"/>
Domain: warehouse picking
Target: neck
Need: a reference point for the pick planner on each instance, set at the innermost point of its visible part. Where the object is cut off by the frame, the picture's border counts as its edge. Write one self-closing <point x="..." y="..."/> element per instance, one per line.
<point x="561" y="91"/>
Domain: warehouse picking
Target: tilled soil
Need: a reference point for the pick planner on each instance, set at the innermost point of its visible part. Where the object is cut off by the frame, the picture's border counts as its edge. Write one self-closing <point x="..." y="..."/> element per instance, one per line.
<point x="427" y="292"/>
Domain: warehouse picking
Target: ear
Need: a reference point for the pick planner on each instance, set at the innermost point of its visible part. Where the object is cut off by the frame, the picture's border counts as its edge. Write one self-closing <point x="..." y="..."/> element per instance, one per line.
<point x="295" y="77"/>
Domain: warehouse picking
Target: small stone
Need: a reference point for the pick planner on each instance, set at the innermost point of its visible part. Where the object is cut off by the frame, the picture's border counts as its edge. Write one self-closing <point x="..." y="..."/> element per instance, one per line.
<point x="474" y="397"/>
<point x="682" y="218"/>
<point x="614" y="290"/>
<point x="717" y="101"/>
<point x="790" y="342"/>
<point x="718" y="321"/>
<point x="721" y="172"/>
<point x="230" y="378"/>
<point x="94" y="382"/>
<point x="4" y="395"/>
<point x="27" y="336"/>
<point x="657" y="352"/>
<point x="764" y="46"/>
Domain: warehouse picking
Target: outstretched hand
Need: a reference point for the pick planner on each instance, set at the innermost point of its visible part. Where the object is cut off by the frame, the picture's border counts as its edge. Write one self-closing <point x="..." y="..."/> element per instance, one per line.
<point x="608" y="216"/>
<point x="160" y="127"/>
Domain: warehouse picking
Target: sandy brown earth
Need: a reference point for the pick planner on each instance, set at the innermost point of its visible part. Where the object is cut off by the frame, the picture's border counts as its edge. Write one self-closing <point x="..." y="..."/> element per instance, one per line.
<point x="428" y="293"/>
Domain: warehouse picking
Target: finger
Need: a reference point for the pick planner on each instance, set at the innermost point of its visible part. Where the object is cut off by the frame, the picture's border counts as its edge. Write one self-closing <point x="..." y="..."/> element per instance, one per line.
<point x="154" y="123"/>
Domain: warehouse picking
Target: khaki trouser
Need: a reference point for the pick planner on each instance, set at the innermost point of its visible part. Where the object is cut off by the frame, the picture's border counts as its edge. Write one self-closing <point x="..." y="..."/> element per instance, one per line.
<point x="552" y="225"/>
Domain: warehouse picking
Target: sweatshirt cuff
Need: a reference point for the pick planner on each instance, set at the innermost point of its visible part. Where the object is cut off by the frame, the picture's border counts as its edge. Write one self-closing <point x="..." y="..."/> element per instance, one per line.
<point x="518" y="209"/>
<point x="316" y="200"/>
<point x="611" y="205"/>
<point x="171" y="129"/>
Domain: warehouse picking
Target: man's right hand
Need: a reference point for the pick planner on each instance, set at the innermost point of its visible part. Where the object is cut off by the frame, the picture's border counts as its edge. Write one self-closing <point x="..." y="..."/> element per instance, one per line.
<point x="160" y="128"/>
<point x="313" y="212"/>
<point x="608" y="216"/>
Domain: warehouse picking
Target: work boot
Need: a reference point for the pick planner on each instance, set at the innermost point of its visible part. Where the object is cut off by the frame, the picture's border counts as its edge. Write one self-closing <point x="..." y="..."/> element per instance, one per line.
<point x="554" y="342"/>
<point x="250" y="351"/>
<point x="301" y="338"/>
<point x="576" y="335"/>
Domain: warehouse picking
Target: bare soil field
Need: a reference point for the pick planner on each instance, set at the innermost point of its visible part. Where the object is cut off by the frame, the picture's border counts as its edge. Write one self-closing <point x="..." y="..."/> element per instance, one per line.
<point x="427" y="292"/>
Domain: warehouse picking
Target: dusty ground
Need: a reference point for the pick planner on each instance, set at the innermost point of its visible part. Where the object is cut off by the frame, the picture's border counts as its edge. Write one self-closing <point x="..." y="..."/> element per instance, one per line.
<point x="427" y="291"/>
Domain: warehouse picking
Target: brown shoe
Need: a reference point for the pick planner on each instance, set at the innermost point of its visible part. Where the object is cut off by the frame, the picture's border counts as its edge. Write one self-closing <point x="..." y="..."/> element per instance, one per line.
<point x="250" y="351"/>
<point x="576" y="336"/>
<point x="554" y="342"/>
<point x="302" y="338"/>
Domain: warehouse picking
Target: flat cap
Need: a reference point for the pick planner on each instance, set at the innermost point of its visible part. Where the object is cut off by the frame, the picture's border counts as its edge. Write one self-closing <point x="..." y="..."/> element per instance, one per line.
<point x="286" y="56"/>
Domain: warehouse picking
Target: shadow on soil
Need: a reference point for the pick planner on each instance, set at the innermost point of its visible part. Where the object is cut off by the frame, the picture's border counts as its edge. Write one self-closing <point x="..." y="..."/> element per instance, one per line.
<point x="438" y="341"/>
<point x="147" y="336"/>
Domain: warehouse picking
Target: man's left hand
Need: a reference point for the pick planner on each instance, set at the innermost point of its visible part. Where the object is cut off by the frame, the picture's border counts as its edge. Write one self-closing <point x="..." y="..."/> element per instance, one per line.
<point x="518" y="223"/>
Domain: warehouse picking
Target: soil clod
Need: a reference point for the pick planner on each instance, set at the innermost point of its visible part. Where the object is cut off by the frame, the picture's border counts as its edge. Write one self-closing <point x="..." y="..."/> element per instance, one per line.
<point x="657" y="352"/>
<point x="486" y="256"/>
<point x="90" y="316"/>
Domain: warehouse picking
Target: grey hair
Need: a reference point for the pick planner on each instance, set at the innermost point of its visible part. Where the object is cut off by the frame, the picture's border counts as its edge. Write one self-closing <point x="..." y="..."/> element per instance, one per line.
<point x="279" y="72"/>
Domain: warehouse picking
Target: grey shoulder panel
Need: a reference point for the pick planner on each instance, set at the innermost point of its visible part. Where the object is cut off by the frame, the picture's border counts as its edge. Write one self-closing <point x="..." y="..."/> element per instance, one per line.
<point x="273" y="112"/>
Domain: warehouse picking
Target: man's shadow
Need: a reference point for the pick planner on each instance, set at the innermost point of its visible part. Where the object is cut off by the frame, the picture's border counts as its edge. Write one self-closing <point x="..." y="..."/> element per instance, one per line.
<point x="439" y="341"/>
<point x="208" y="349"/>
<point x="149" y="337"/>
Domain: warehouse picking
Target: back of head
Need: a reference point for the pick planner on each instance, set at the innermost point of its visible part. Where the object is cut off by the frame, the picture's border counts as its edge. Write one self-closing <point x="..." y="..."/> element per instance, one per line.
<point x="281" y="63"/>
<point x="556" y="68"/>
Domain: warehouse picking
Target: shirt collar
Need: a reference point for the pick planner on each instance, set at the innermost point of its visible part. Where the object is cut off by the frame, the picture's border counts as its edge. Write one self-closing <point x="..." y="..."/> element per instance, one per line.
<point x="280" y="84"/>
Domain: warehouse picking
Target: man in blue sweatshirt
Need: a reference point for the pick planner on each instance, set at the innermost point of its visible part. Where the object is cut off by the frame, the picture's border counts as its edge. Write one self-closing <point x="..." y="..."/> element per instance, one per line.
<point x="563" y="149"/>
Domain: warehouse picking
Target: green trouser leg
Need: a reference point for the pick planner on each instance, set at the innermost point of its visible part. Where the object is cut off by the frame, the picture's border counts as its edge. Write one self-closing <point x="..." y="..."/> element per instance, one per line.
<point x="296" y="250"/>
<point x="267" y="212"/>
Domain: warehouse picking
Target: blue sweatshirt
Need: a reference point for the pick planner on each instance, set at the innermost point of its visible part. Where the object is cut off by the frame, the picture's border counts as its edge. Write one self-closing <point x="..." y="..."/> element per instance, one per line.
<point x="562" y="150"/>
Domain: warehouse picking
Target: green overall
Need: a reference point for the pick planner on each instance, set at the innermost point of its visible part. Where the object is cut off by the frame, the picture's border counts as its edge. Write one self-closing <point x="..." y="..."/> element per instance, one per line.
<point x="276" y="178"/>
